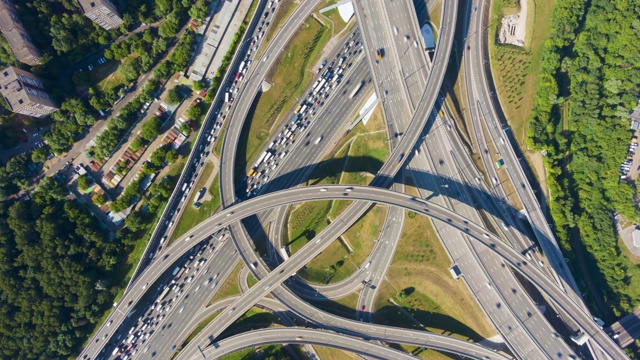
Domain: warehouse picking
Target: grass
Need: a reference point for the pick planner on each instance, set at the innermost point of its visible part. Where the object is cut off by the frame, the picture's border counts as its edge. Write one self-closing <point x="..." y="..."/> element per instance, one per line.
<point x="435" y="15"/>
<point x="230" y="287"/>
<point x="191" y="216"/>
<point x="329" y="353"/>
<point x="336" y="263"/>
<point x="260" y="353"/>
<point x="422" y="353"/>
<point x="333" y="15"/>
<point x="309" y="219"/>
<point x="107" y="76"/>
<point x="218" y="148"/>
<point x="254" y="318"/>
<point x="300" y="53"/>
<point x="515" y="70"/>
<point x="420" y="269"/>
<point x="305" y="222"/>
<point x="344" y="307"/>
<point x="285" y="9"/>
<point x="251" y="280"/>
<point x="371" y="150"/>
<point x="197" y="330"/>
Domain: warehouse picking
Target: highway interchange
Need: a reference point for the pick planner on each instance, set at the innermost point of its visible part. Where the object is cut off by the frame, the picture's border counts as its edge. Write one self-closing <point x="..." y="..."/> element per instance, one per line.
<point x="422" y="143"/>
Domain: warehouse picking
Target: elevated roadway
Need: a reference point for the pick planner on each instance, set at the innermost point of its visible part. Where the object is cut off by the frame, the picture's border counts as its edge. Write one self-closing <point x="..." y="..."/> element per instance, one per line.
<point x="393" y="27"/>
<point x="301" y="336"/>
<point x="476" y="71"/>
<point x="378" y="195"/>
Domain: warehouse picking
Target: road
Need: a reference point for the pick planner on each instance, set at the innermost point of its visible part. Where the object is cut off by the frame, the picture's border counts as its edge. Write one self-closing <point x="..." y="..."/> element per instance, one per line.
<point x="246" y="208"/>
<point x="370" y="194"/>
<point x="302" y="336"/>
<point x="399" y="22"/>
<point x="510" y="256"/>
<point x="475" y="70"/>
<point x="190" y="175"/>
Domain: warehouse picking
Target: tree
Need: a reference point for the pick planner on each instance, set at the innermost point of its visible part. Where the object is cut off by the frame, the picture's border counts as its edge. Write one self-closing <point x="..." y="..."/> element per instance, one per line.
<point x="173" y="96"/>
<point x="199" y="10"/>
<point x="197" y="85"/>
<point x="151" y="129"/>
<point x="83" y="182"/>
<point x="134" y="221"/>
<point x="159" y="156"/>
<point x="185" y="128"/>
<point x="136" y="144"/>
<point x="169" y="28"/>
<point x="130" y="68"/>
<point x="39" y="155"/>
<point x="194" y="112"/>
<point x="99" y="200"/>
<point x="172" y="156"/>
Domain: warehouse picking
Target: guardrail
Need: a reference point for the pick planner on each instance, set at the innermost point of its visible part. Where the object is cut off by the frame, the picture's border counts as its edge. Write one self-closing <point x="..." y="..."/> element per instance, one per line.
<point x="207" y="124"/>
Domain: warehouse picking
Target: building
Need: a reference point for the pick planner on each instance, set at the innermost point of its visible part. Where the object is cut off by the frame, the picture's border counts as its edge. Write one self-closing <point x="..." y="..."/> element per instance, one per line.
<point x="16" y="35"/>
<point x="635" y="117"/>
<point x="101" y="12"/>
<point x="25" y="93"/>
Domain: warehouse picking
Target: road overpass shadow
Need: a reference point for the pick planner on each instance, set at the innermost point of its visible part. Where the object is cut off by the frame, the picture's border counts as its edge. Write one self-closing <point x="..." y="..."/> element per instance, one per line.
<point x="432" y="181"/>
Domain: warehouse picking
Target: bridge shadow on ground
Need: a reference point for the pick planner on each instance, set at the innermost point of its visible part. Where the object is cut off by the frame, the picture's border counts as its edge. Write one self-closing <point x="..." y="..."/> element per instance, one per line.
<point x="431" y="182"/>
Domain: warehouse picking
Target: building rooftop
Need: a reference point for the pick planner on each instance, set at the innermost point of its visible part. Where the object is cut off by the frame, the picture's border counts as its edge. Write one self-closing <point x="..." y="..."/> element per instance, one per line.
<point x="16" y="35"/>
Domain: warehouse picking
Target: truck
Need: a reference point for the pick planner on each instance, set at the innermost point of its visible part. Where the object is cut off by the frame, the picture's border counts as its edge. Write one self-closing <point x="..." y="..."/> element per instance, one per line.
<point x="319" y="86"/>
<point x="178" y="275"/>
<point x="356" y="89"/>
<point x="269" y="155"/>
<point x="379" y="53"/>
<point x="242" y="65"/>
<point x="261" y="158"/>
<point x="295" y="118"/>
<point x="297" y="110"/>
<point x="184" y="186"/>
<point x="175" y="271"/>
<point x="304" y="108"/>
<point x="227" y="96"/>
<point x="251" y="172"/>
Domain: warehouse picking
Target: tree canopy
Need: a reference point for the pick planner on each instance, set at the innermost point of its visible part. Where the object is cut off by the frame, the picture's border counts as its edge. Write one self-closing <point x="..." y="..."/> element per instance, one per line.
<point x="52" y="253"/>
<point x="590" y="65"/>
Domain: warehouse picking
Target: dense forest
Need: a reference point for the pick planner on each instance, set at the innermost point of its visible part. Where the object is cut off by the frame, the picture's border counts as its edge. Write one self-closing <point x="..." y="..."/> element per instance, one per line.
<point x="588" y="86"/>
<point x="56" y="268"/>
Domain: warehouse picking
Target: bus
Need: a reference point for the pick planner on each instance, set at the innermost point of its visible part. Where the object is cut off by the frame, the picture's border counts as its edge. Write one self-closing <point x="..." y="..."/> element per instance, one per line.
<point x="297" y="110"/>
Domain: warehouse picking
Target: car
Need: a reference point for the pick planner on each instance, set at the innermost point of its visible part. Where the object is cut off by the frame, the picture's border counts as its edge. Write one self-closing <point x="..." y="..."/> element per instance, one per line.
<point x="173" y="347"/>
<point x="468" y="47"/>
<point x="323" y="189"/>
<point x="362" y="308"/>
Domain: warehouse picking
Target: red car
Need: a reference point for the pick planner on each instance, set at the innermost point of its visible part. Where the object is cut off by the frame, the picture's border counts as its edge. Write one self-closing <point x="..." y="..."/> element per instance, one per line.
<point x="362" y="308"/>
